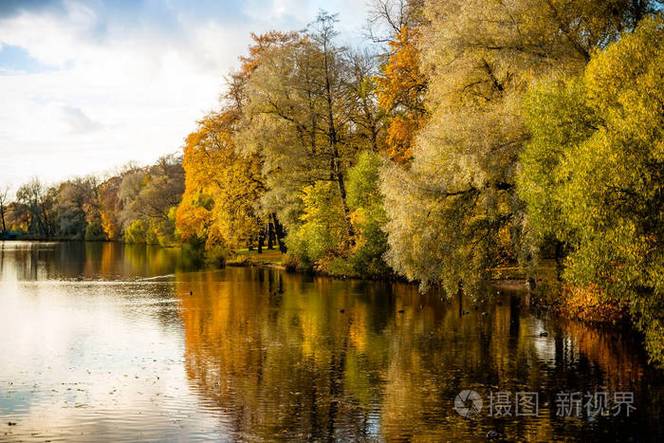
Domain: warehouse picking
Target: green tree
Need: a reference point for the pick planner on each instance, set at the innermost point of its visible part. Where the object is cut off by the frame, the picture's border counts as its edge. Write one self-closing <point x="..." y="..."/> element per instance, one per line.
<point x="368" y="216"/>
<point x="593" y="174"/>
<point x="315" y="242"/>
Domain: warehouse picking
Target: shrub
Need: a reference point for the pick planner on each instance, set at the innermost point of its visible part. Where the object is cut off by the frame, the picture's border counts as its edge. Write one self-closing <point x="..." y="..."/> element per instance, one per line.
<point x="94" y="232"/>
<point x="135" y="232"/>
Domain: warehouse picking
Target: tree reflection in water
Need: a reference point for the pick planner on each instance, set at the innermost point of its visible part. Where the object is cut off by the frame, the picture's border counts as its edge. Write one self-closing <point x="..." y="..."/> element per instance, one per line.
<point x="310" y="357"/>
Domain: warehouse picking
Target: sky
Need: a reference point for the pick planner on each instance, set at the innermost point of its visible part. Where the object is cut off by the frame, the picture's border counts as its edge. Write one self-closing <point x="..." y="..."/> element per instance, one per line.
<point x="88" y="86"/>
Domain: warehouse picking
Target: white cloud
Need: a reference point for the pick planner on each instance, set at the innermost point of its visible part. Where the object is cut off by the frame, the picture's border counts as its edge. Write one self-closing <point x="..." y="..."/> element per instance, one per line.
<point x="114" y="90"/>
<point x="78" y="121"/>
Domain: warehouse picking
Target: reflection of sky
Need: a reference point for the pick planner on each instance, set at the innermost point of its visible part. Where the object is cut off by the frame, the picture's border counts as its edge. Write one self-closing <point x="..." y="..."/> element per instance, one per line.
<point x="87" y="358"/>
<point x="13" y="401"/>
<point x="545" y="346"/>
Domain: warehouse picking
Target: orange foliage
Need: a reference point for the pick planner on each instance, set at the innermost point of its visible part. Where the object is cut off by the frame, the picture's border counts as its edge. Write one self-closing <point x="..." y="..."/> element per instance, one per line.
<point x="108" y="225"/>
<point x="191" y="219"/>
<point x="400" y="92"/>
<point x="109" y="207"/>
<point x="221" y="185"/>
<point x="203" y="155"/>
<point x="590" y="303"/>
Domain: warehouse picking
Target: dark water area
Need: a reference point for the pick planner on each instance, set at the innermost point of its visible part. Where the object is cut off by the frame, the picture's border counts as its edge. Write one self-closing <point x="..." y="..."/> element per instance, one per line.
<point x="105" y="342"/>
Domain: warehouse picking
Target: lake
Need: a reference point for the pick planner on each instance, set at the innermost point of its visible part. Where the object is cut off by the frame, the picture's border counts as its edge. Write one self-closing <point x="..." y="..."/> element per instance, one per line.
<point x="102" y="341"/>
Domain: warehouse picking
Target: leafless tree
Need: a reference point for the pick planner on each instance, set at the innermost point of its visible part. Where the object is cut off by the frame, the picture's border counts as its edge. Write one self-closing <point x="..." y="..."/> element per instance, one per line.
<point x="388" y="17"/>
<point x="4" y="197"/>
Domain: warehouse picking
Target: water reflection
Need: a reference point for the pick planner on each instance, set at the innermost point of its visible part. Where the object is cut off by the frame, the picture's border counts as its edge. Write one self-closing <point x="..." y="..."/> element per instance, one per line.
<point x="87" y="355"/>
<point x="105" y="342"/>
<point x="88" y="260"/>
<point x="321" y="359"/>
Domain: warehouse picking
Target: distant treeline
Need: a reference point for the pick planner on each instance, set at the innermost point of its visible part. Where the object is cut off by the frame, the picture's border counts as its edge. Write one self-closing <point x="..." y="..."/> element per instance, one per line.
<point x="474" y="136"/>
<point x="136" y="206"/>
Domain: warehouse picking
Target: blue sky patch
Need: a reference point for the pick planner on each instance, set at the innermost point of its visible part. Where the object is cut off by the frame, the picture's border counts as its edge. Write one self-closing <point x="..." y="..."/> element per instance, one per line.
<point x="17" y="59"/>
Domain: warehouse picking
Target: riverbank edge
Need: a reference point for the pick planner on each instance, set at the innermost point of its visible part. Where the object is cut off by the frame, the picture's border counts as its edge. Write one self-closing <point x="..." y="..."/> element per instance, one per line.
<point x="546" y="298"/>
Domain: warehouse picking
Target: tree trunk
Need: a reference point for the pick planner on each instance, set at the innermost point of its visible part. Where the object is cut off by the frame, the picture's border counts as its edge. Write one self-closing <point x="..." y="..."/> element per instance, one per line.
<point x="344" y="205"/>
<point x="336" y="160"/>
<point x="270" y="236"/>
<point x="2" y="215"/>
<point x="460" y="299"/>
<point x="48" y="232"/>
<point x="38" y="225"/>
<point x="279" y="233"/>
<point x="560" y="255"/>
<point x="261" y="240"/>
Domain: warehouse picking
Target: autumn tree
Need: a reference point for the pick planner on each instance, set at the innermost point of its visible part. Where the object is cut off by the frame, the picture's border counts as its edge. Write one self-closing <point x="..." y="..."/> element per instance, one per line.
<point x="454" y="215"/>
<point x="222" y="188"/>
<point x="36" y="202"/>
<point x="148" y="198"/>
<point x="365" y="115"/>
<point x="386" y="18"/>
<point x="221" y="206"/>
<point x="592" y="176"/>
<point x="310" y="109"/>
<point x="110" y="207"/>
<point x="281" y="124"/>
<point x="75" y="208"/>
<point x="402" y="85"/>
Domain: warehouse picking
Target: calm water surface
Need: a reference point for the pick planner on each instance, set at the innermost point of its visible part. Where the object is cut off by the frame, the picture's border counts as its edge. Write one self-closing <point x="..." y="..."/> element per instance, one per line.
<point x="105" y="342"/>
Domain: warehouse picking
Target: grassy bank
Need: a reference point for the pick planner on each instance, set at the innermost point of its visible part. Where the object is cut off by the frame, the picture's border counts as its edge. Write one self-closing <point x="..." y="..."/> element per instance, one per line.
<point x="268" y="258"/>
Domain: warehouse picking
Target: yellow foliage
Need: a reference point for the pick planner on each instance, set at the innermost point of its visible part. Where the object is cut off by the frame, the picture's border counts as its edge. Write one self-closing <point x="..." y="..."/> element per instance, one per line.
<point x="191" y="220"/>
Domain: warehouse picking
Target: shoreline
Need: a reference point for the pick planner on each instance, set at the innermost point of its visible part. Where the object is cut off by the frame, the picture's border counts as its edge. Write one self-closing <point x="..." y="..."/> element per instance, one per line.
<point x="507" y="278"/>
<point x="271" y="259"/>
